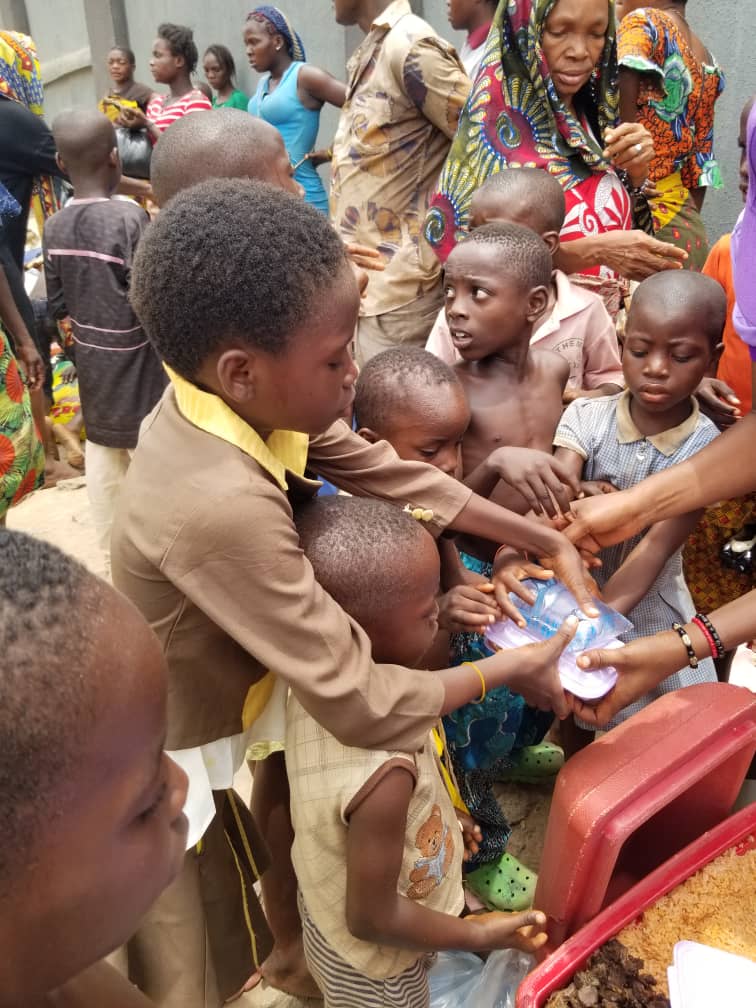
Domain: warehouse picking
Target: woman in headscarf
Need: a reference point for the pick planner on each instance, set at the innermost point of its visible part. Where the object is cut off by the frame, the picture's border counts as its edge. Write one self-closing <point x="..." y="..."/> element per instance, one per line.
<point x="291" y="94"/>
<point x="669" y="82"/>
<point x="546" y="96"/>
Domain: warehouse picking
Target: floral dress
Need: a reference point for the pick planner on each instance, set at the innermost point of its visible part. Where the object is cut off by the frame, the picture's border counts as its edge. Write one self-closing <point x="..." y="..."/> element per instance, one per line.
<point x="22" y="457"/>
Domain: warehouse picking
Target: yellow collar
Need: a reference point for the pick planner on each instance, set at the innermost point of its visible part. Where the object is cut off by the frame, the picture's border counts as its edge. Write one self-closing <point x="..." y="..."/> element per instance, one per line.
<point x="668" y="441"/>
<point x="283" y="450"/>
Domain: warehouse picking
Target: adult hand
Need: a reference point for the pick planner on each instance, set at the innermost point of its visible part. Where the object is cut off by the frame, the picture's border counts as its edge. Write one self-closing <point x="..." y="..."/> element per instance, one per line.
<point x="719" y="402"/>
<point x="570" y="568"/>
<point x="468" y="609"/>
<point x="535" y="676"/>
<point x="596" y="522"/>
<point x="636" y="255"/>
<point x="545" y="483"/>
<point x="630" y="147"/>
<point x="642" y="665"/>
<point x="511" y="569"/>
<point x="524" y="931"/>
<point x="319" y="157"/>
<point x="31" y="362"/>
<point x="133" y="118"/>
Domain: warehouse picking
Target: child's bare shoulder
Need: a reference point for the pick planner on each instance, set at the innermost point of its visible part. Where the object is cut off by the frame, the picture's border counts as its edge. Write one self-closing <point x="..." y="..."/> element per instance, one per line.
<point x="101" y="985"/>
<point x="549" y="366"/>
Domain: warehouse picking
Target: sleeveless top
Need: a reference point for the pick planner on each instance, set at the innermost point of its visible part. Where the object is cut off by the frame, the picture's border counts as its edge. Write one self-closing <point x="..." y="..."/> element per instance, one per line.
<point x="297" y="125"/>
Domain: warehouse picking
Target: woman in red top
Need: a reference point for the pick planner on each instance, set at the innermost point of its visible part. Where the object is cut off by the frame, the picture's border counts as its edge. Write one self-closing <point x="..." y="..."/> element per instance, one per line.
<point x="174" y="59"/>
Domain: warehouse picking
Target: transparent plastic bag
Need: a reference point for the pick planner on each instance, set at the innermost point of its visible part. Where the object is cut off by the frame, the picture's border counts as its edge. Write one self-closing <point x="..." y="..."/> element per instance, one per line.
<point x="502" y="974"/>
<point x="453" y="979"/>
<point x="552" y="605"/>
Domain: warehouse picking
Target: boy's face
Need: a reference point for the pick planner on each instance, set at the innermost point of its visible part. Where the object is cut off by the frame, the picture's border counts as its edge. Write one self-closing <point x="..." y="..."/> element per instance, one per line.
<point x="665" y="356"/>
<point x="405" y="631"/>
<point x="311" y="385"/>
<point x="431" y="428"/>
<point x="118" y="840"/>
<point x="487" y="312"/>
<point x="460" y="12"/>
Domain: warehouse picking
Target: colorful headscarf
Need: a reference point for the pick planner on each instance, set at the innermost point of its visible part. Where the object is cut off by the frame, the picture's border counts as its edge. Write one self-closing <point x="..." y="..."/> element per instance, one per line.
<point x="514" y="118"/>
<point x="284" y="28"/>
<point x="20" y="77"/>
<point x="21" y="81"/>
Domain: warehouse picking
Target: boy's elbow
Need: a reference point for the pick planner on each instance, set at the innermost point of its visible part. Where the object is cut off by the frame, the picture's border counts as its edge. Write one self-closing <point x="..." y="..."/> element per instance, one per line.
<point x="362" y="923"/>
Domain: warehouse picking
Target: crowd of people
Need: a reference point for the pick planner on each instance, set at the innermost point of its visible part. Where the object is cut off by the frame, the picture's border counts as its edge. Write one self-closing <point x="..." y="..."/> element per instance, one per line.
<point x="330" y="431"/>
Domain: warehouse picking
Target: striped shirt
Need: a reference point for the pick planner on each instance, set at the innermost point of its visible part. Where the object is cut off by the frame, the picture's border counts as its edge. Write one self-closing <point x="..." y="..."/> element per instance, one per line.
<point x="162" y="111"/>
<point x="89" y="247"/>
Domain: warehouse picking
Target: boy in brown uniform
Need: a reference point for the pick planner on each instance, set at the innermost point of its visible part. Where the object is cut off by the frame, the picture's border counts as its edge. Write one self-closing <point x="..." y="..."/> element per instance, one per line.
<point x="248" y="296"/>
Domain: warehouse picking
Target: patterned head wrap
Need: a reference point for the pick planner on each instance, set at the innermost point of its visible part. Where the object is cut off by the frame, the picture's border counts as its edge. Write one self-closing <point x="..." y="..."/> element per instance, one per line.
<point x="20" y="78"/>
<point x="284" y="28"/>
<point x="515" y="118"/>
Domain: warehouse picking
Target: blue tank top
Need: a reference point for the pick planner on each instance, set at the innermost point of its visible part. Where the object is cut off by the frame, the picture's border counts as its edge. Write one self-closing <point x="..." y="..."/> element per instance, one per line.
<point x="297" y="125"/>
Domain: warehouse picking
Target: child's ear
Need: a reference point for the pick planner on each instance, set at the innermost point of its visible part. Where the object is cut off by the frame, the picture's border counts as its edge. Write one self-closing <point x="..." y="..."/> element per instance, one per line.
<point x="114" y="158"/>
<point x="715" y="355"/>
<point x="237" y="375"/>
<point x="368" y="435"/>
<point x="61" y="163"/>
<point x="538" y="299"/>
<point x="552" y="240"/>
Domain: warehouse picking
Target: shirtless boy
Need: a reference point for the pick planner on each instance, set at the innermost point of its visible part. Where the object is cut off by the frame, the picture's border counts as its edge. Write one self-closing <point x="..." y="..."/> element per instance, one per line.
<point x="496" y="287"/>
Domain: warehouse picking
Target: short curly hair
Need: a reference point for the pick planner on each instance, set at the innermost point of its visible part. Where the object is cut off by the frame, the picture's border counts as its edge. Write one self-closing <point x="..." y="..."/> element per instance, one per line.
<point x="232" y="259"/>
<point x="535" y="188"/>
<point x="387" y="384"/>
<point x="523" y="255"/>
<point x="363" y="551"/>
<point x="49" y="605"/>
<point x="180" y="41"/>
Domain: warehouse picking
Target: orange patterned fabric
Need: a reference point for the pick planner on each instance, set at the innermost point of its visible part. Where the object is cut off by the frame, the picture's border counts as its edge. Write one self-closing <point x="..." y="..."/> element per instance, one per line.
<point x="676" y="99"/>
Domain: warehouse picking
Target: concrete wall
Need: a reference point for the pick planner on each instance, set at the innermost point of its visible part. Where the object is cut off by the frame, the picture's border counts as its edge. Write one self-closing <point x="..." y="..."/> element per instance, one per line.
<point x="727" y="26"/>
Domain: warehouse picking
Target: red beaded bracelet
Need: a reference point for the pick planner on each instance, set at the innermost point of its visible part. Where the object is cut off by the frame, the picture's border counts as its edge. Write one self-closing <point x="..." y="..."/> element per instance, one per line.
<point x="706" y="627"/>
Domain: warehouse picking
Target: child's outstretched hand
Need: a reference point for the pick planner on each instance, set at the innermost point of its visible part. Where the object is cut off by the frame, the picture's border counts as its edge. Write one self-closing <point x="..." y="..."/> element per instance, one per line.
<point x="510" y="569"/>
<point x="546" y="483"/>
<point x="468" y="608"/>
<point x="524" y="931"/>
<point x="594" y="488"/>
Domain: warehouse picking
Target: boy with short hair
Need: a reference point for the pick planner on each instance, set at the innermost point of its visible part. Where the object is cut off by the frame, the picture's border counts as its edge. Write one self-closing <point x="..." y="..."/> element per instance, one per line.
<point x="575" y="322"/>
<point x="89" y="248"/>
<point x="377" y="847"/>
<point x="673" y="339"/>
<point x="258" y="344"/>
<point x="92" y="827"/>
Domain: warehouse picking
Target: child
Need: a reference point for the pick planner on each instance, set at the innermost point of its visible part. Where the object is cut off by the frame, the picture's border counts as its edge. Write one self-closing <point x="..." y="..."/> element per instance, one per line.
<point x="673" y="339"/>
<point x="414" y="401"/>
<point x="473" y="17"/>
<point x="575" y="322"/>
<point x="258" y="344"/>
<point x="89" y="247"/>
<point x="92" y="826"/>
<point x="377" y="847"/>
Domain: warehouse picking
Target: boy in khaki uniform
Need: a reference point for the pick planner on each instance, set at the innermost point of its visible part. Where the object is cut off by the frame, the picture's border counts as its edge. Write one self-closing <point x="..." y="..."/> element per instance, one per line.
<point x="249" y="298"/>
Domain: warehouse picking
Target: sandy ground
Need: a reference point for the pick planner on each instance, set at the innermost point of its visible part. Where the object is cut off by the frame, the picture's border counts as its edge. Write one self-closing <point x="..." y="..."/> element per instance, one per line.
<point x="61" y="516"/>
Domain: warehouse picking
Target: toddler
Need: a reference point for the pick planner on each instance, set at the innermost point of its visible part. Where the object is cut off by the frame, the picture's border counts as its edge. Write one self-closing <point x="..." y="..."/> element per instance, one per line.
<point x="92" y="827"/>
<point x="89" y="247"/>
<point x="377" y="848"/>
<point x="673" y="339"/>
<point x="574" y="322"/>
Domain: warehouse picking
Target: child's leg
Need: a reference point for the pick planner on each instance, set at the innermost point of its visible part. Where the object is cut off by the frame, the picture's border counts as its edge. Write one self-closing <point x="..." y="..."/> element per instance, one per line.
<point x="285" y="967"/>
<point x="346" y="987"/>
<point x="106" y="469"/>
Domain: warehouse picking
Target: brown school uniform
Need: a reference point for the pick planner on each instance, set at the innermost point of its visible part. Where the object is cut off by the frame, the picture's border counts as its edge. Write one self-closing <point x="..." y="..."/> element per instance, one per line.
<point x="205" y="544"/>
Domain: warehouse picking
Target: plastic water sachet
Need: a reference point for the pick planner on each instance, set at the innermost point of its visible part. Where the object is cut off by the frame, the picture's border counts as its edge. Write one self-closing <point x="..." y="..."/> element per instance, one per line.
<point x="553" y="603"/>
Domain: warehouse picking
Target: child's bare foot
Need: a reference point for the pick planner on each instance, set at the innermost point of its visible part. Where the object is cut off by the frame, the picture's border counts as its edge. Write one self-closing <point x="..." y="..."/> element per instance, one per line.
<point x="70" y="445"/>
<point x="286" y="969"/>
<point x="56" y="471"/>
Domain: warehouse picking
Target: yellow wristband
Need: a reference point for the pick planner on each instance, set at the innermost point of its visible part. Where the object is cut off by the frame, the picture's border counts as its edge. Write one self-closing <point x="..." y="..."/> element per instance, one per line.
<point x="482" y="696"/>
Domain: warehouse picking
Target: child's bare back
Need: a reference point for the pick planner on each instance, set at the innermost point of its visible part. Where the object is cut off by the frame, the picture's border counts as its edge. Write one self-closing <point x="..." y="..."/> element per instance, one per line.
<point x="510" y="410"/>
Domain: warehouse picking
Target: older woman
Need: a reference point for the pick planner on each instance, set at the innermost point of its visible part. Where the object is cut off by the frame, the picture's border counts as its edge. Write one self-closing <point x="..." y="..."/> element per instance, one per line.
<point x="669" y="82"/>
<point x="545" y="96"/>
<point x="174" y="60"/>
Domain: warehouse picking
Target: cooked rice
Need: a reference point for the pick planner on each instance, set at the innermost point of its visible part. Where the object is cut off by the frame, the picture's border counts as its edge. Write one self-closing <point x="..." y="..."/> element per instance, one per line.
<point x="716" y="906"/>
